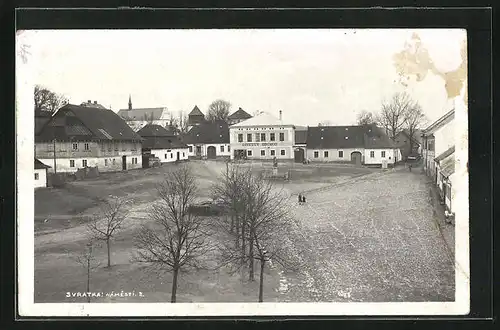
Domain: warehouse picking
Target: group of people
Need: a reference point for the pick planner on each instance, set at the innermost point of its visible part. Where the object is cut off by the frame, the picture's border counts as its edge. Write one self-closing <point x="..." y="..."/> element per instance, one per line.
<point x="302" y="199"/>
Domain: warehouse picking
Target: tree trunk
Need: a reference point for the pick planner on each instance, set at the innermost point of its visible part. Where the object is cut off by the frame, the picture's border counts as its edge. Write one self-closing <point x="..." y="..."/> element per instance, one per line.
<point x="250" y="260"/>
<point x="174" y="285"/>
<point x="261" y="284"/>
<point x="88" y="279"/>
<point x="232" y="224"/>
<point x="237" y="242"/>
<point x="109" y="253"/>
<point x="243" y="247"/>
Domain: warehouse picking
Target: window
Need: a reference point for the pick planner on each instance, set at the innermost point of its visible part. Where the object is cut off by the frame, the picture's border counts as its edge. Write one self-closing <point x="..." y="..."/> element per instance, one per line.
<point x="134" y="160"/>
<point x="272" y="137"/>
<point x="249" y="137"/>
<point x="430" y="146"/>
<point x="165" y="156"/>
<point x="372" y="154"/>
<point x="84" y="163"/>
<point x="257" y="137"/>
<point x="221" y="148"/>
<point x="190" y="149"/>
<point x="86" y="146"/>
<point x="228" y="148"/>
<point x="113" y="161"/>
<point x="71" y="163"/>
<point x="105" y="162"/>
<point x="183" y="154"/>
<point x="282" y="136"/>
<point x="283" y="152"/>
<point x="36" y="176"/>
<point x="382" y="153"/>
<point x="263" y="137"/>
<point x="341" y="154"/>
<point x="273" y="152"/>
<point x="75" y="146"/>
<point x="325" y="154"/>
<point x="262" y="152"/>
<point x="171" y="155"/>
<point x="240" y="137"/>
<point x="249" y="152"/>
<point x="316" y="154"/>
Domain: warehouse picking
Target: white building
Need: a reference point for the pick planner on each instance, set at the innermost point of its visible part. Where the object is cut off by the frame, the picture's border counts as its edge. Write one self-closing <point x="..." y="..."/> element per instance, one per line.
<point x="208" y="140"/>
<point x="77" y="137"/>
<point x="362" y="145"/>
<point x="137" y="118"/>
<point x="445" y="170"/>
<point x="262" y="137"/>
<point x="163" y="144"/>
<point x="40" y="174"/>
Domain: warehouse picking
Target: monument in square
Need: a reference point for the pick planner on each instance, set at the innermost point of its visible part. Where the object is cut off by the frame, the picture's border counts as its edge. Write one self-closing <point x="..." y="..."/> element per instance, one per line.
<point x="275" y="166"/>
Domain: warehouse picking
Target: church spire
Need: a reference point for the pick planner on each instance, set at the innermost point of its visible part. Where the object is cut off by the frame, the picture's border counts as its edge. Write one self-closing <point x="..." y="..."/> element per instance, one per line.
<point x="129" y="102"/>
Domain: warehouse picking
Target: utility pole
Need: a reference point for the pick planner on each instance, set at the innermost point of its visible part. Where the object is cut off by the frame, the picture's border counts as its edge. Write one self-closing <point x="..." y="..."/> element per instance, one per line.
<point x="55" y="166"/>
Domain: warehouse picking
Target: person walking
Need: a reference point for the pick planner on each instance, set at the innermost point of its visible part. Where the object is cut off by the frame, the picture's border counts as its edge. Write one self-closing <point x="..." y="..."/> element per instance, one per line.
<point x="303" y="199"/>
<point x="300" y="199"/>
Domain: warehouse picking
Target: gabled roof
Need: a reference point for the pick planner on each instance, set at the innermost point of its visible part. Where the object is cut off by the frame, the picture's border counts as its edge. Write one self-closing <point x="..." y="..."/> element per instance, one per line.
<point x="240" y="114"/>
<point x="447" y="167"/>
<point x="196" y="112"/>
<point x="300" y="136"/>
<point x="336" y="137"/>
<point x="445" y="154"/>
<point x="262" y="119"/>
<point x="39" y="165"/>
<point x="417" y="135"/>
<point x="163" y="142"/>
<point x="154" y="130"/>
<point x="141" y="113"/>
<point x="74" y="122"/>
<point x="89" y="104"/>
<point x="208" y="132"/>
<point x="445" y="119"/>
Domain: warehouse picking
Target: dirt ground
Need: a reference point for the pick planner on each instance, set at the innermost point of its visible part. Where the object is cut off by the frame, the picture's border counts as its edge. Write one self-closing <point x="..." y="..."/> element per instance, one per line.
<point x="364" y="238"/>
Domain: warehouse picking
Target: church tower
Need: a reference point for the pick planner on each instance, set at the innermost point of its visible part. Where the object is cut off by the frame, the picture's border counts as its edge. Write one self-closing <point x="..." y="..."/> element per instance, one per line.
<point x="129" y="102"/>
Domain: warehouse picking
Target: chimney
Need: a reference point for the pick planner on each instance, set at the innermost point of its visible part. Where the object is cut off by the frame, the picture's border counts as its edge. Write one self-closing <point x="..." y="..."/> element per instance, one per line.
<point x="95" y="102"/>
<point x="280" y="114"/>
<point x="89" y="101"/>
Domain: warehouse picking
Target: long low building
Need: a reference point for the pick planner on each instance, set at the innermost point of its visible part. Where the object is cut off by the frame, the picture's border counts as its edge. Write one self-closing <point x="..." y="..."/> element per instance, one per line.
<point x="262" y="137"/>
<point x="362" y="145"/>
<point x="77" y="137"/>
<point x="163" y="144"/>
<point x="208" y="140"/>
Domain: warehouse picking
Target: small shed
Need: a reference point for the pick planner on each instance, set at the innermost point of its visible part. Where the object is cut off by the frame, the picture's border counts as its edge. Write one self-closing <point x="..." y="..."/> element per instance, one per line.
<point x="40" y="174"/>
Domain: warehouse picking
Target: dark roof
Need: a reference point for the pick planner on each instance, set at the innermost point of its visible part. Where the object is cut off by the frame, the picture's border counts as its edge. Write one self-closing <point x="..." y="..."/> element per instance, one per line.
<point x="154" y="130"/>
<point x="300" y="136"/>
<point x="163" y="142"/>
<point x="196" y="112"/>
<point x="240" y="114"/>
<point x="73" y="122"/>
<point x="417" y="135"/>
<point x="141" y="113"/>
<point x="335" y="137"/>
<point x="39" y="165"/>
<point x="448" y="167"/>
<point x="445" y="119"/>
<point x="89" y="104"/>
<point x="208" y="132"/>
<point x="39" y="123"/>
<point x="445" y="154"/>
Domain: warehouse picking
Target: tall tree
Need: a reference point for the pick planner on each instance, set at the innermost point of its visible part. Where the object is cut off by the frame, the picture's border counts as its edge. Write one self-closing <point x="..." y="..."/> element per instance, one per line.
<point x="106" y="224"/>
<point x="218" y="110"/>
<point x="47" y="100"/>
<point x="179" y="123"/>
<point x="413" y="119"/>
<point x="365" y="118"/>
<point x="177" y="240"/>
<point x="393" y="113"/>
<point x="88" y="261"/>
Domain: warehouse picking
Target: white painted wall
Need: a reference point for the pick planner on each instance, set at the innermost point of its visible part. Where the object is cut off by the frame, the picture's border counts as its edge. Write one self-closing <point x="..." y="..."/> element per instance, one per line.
<point x="41" y="181"/>
<point x="170" y="155"/>
<point x="257" y="145"/>
<point x="444" y="138"/>
<point x="104" y="164"/>
<point x="333" y="154"/>
<point x="222" y="149"/>
<point x="390" y="156"/>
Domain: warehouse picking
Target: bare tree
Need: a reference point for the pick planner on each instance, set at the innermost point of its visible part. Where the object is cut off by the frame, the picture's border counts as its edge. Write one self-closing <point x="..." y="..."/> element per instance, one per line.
<point x="393" y="113"/>
<point x="108" y="222"/>
<point x="365" y="118"/>
<point x="179" y="239"/>
<point x="179" y="123"/>
<point x="414" y="118"/>
<point x="218" y="110"/>
<point x="88" y="261"/>
<point x="46" y="100"/>
<point x="149" y="118"/>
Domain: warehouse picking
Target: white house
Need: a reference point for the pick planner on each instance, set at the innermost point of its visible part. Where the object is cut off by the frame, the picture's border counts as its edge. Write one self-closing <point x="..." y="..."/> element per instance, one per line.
<point x="262" y="137"/>
<point x="78" y="136"/>
<point x="445" y="170"/>
<point x="163" y="144"/>
<point x="208" y="140"/>
<point x="40" y="174"/>
<point x="365" y="144"/>
<point x="137" y="118"/>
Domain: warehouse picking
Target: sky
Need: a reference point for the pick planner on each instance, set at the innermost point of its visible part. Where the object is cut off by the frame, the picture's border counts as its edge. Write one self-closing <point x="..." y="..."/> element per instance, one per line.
<point x="312" y="75"/>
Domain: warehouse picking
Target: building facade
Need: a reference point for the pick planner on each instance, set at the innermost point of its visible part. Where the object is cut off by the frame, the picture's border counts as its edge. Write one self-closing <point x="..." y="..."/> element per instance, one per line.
<point x="78" y="137"/>
<point x="137" y="118"/>
<point x="263" y="137"/>
<point x="162" y="144"/>
<point x="409" y="146"/>
<point x="195" y="117"/>
<point x="208" y="140"/>
<point x="40" y="174"/>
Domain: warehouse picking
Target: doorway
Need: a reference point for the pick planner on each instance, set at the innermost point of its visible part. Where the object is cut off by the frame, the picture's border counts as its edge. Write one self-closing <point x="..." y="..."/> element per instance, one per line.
<point x="211" y="152"/>
<point x="299" y="155"/>
<point x="178" y="156"/>
<point x="124" y="163"/>
<point x="356" y="158"/>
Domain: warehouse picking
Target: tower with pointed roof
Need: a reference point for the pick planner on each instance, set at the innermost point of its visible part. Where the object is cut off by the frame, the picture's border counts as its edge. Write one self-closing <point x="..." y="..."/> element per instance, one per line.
<point x="129" y="102"/>
<point x="195" y="117"/>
